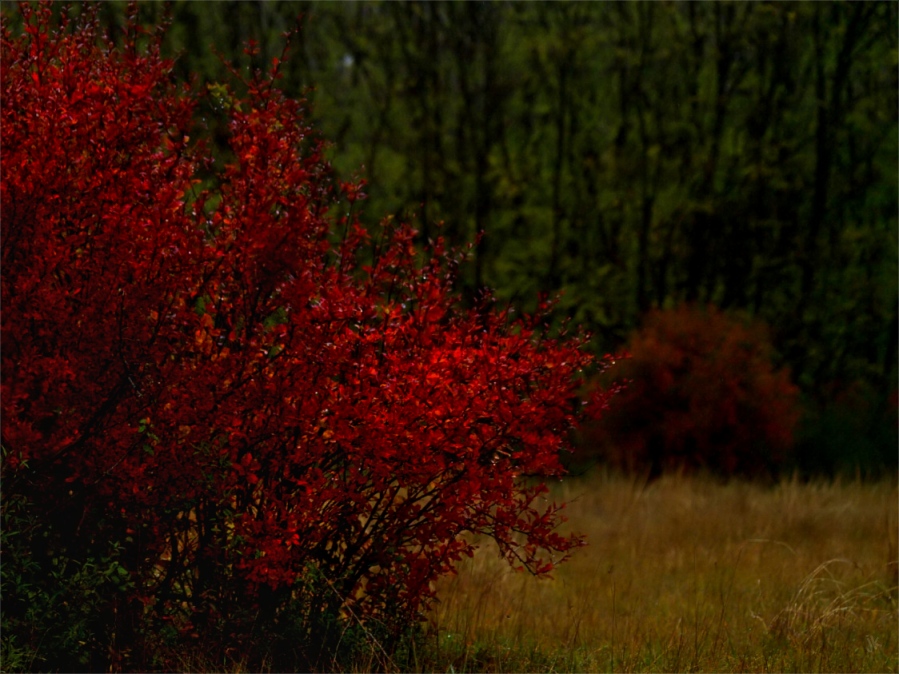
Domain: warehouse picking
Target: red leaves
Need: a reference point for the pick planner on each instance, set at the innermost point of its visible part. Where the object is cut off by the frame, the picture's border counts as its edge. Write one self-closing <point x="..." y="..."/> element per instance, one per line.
<point x="247" y="469"/>
<point x="353" y="191"/>
<point x="702" y="393"/>
<point x="306" y="412"/>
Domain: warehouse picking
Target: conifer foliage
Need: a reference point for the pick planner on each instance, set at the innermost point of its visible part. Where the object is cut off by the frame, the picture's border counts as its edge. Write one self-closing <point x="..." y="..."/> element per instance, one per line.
<point x="205" y="381"/>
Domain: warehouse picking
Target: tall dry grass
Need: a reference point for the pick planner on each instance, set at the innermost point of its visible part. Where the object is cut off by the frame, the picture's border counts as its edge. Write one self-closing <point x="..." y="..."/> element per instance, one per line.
<point x="689" y="574"/>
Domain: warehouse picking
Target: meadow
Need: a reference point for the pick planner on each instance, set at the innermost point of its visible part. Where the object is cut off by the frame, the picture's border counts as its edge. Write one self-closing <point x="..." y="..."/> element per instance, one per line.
<point x="687" y="574"/>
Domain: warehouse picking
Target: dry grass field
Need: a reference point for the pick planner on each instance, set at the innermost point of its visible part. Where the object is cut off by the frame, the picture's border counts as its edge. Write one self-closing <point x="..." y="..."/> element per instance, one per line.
<point x="689" y="574"/>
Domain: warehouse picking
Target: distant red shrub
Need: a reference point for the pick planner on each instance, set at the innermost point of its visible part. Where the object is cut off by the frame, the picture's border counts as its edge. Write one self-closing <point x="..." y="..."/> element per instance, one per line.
<point x="702" y="394"/>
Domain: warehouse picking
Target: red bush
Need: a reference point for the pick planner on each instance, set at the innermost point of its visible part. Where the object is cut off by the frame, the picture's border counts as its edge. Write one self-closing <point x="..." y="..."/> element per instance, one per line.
<point x="207" y="375"/>
<point x="701" y="393"/>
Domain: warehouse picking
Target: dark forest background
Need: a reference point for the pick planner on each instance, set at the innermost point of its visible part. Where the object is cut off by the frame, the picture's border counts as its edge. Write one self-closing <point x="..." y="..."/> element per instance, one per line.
<point x="628" y="155"/>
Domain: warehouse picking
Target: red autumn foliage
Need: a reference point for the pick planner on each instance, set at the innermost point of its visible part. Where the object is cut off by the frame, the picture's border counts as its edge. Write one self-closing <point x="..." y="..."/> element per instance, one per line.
<point x="209" y="376"/>
<point x="701" y="394"/>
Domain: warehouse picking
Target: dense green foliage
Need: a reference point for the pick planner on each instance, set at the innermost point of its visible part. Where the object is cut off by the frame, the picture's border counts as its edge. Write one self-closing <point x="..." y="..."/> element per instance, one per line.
<point x="631" y="155"/>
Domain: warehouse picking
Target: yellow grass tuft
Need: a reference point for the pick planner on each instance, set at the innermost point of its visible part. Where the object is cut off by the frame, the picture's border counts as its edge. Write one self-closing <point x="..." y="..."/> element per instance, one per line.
<point x="689" y="574"/>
